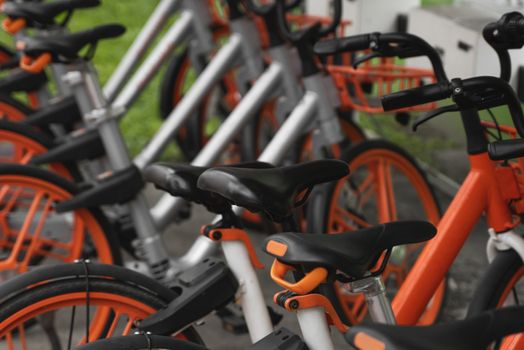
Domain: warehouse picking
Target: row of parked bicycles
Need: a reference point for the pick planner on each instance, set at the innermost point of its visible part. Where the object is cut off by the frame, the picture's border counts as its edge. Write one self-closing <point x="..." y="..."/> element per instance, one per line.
<point x="261" y="101"/>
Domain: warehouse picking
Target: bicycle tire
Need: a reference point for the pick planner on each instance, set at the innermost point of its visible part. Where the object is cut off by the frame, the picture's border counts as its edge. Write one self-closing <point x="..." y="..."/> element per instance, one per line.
<point x="53" y="290"/>
<point x="140" y="342"/>
<point x="499" y="279"/>
<point x="323" y="207"/>
<point x="12" y="109"/>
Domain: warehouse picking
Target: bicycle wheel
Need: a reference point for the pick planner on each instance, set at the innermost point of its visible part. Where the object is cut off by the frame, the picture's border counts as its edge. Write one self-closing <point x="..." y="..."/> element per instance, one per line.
<point x="12" y="109"/>
<point x="502" y="285"/>
<point x="141" y="342"/>
<point x="385" y="184"/>
<point x="33" y="233"/>
<point x="20" y="142"/>
<point x="56" y="307"/>
<point x="215" y="107"/>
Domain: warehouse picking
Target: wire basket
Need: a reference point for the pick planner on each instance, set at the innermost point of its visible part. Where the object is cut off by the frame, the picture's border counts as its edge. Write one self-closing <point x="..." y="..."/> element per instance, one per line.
<point x="361" y="89"/>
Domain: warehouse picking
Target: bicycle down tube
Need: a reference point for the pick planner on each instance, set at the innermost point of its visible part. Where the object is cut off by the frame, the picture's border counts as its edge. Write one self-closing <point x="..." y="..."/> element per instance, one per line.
<point x="191" y="25"/>
<point x="163" y="11"/>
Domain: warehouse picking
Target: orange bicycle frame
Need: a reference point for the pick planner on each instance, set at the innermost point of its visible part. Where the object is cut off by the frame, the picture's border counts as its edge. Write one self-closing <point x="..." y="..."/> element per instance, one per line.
<point x="480" y="193"/>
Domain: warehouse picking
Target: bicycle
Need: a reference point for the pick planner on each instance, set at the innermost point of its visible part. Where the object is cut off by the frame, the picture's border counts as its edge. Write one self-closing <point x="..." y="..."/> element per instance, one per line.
<point x="355" y="259"/>
<point x="124" y="184"/>
<point x="484" y="189"/>
<point x="83" y="283"/>
<point x="131" y="175"/>
<point x="196" y="20"/>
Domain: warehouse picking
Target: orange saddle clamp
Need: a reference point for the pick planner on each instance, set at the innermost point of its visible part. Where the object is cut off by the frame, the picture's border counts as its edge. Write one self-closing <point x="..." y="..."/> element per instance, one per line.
<point x="35" y="65"/>
<point x="13" y="26"/>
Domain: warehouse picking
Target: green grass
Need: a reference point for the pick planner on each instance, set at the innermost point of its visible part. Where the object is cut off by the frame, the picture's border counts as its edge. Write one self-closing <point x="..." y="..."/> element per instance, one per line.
<point x="142" y="120"/>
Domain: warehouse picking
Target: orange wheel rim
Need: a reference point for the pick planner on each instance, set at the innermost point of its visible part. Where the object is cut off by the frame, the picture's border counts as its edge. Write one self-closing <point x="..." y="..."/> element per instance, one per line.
<point x="378" y="185"/>
<point x="23" y="149"/>
<point x="515" y="341"/>
<point x="30" y="240"/>
<point x="112" y="314"/>
<point x="11" y="113"/>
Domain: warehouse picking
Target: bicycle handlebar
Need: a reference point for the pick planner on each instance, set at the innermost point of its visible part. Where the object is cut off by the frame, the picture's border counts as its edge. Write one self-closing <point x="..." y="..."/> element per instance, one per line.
<point x="322" y="31"/>
<point x="416" y="96"/>
<point x="478" y="93"/>
<point x="402" y="45"/>
<point x="262" y="10"/>
<point x="505" y="34"/>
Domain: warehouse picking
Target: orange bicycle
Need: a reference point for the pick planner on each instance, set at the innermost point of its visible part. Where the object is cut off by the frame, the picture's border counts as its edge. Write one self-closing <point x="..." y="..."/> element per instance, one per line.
<point x="493" y="187"/>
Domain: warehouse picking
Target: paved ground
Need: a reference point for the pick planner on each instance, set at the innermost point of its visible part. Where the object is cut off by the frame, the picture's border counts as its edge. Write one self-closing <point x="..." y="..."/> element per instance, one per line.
<point x="463" y="277"/>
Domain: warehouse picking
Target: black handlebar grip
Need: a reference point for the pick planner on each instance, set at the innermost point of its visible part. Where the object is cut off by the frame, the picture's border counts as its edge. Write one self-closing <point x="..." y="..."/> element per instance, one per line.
<point x="506" y="149"/>
<point x="350" y="43"/>
<point x="416" y="96"/>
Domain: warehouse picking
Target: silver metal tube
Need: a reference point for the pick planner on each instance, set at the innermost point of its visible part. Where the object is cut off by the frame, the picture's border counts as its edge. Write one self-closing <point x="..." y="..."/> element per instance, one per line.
<point x="245" y="110"/>
<point x="215" y="70"/>
<point x="163" y="49"/>
<point x="58" y="70"/>
<point x="291" y="130"/>
<point x="137" y="50"/>
<point x="328" y="122"/>
<point x="379" y="306"/>
<point x="264" y="86"/>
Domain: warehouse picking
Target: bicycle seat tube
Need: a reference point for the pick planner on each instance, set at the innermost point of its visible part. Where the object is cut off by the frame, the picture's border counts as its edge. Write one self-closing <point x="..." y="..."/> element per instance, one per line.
<point x="83" y="81"/>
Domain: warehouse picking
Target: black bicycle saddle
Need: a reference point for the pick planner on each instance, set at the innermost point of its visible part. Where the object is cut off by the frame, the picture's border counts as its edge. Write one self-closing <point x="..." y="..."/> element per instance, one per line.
<point x="354" y="253"/>
<point x="470" y="334"/>
<point x="272" y="191"/>
<point x="180" y="180"/>
<point x="67" y="47"/>
<point x="37" y="14"/>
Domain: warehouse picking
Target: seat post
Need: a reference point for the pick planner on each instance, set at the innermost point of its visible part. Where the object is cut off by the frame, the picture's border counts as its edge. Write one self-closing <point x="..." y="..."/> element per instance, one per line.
<point x="379" y="306"/>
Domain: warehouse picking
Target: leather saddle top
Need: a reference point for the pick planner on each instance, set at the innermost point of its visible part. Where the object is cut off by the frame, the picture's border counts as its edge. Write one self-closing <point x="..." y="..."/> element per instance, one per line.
<point x="272" y="191"/>
<point x="353" y="253"/>
<point x="42" y="14"/>
<point x="67" y="47"/>
<point x="180" y="180"/>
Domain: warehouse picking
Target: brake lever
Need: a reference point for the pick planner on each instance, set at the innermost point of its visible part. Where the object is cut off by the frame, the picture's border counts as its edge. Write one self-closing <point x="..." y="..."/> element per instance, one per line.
<point x="361" y="59"/>
<point x="434" y="113"/>
<point x="389" y="51"/>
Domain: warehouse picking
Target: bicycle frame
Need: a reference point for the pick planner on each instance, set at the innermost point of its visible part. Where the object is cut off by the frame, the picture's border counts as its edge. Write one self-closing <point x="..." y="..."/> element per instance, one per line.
<point x="97" y="112"/>
<point x="479" y="193"/>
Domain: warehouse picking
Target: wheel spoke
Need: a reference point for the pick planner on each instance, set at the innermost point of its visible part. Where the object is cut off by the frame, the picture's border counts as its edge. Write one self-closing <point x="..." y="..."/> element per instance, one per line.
<point x="28" y="155"/>
<point x="129" y="325"/>
<point x="344" y="218"/>
<point x="35" y="242"/>
<point x="386" y="198"/>
<point x="10" y="262"/>
<point x="21" y="336"/>
<point x="114" y="324"/>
